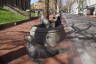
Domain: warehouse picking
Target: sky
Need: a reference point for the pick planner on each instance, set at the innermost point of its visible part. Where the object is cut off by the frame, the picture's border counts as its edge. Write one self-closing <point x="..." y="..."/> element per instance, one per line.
<point x="33" y="1"/>
<point x="64" y="2"/>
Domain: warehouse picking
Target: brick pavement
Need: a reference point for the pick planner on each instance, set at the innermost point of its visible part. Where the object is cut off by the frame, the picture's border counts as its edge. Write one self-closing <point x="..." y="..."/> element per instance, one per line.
<point x="12" y="39"/>
<point x="13" y="51"/>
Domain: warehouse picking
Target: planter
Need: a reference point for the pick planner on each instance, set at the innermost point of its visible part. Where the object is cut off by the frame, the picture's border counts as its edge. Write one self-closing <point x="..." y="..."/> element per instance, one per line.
<point x="41" y="40"/>
<point x="51" y="36"/>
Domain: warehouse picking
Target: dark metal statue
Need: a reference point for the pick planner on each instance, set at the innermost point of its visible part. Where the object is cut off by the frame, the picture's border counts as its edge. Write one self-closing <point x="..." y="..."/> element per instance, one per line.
<point x="58" y="21"/>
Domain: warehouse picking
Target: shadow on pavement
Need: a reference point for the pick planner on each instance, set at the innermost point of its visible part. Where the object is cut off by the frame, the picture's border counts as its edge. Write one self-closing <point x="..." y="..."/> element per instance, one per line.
<point x="5" y="59"/>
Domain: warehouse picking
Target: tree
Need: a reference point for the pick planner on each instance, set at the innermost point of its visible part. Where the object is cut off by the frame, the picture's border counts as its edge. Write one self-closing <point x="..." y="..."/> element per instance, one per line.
<point x="47" y="9"/>
<point x="80" y="5"/>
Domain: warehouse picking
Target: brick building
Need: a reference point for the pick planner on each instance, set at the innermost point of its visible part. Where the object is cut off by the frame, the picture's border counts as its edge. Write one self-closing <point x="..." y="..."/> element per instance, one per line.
<point x="21" y="4"/>
<point x="39" y="5"/>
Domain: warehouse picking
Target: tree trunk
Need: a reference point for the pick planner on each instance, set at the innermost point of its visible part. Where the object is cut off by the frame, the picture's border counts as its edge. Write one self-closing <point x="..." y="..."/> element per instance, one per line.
<point x="47" y="9"/>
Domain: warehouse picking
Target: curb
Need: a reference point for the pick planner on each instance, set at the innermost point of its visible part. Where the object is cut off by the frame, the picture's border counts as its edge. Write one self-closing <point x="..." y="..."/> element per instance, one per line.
<point x="11" y="24"/>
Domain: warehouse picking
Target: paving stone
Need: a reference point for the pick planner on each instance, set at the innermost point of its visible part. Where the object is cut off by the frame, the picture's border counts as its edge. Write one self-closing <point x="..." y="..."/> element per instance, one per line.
<point x="85" y="47"/>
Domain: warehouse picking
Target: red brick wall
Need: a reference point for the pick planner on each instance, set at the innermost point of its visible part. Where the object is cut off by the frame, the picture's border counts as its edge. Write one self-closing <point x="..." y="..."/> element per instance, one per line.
<point x="1" y="3"/>
<point x="21" y="4"/>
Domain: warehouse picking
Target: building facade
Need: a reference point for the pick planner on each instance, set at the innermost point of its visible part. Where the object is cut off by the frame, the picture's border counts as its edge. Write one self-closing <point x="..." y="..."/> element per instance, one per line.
<point x="53" y="5"/>
<point x="21" y="4"/>
<point x="91" y="5"/>
<point x="84" y="7"/>
<point x="39" y="5"/>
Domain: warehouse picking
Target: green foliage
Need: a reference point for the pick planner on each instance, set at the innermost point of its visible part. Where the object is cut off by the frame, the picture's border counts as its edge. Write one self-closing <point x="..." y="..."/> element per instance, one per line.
<point x="33" y="14"/>
<point x="8" y="16"/>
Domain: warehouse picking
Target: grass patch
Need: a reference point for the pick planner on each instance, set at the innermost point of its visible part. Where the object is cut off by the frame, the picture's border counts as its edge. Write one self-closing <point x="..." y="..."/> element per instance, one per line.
<point x="8" y="16"/>
<point x="33" y="14"/>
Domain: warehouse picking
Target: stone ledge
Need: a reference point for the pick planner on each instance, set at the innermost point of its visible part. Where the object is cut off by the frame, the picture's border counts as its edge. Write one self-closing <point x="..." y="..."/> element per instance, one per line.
<point x="7" y="25"/>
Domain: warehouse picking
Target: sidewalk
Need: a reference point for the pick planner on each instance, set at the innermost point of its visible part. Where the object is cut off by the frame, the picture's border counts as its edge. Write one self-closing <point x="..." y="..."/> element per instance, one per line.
<point x="12" y="44"/>
<point x="13" y="51"/>
<point x="85" y="46"/>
